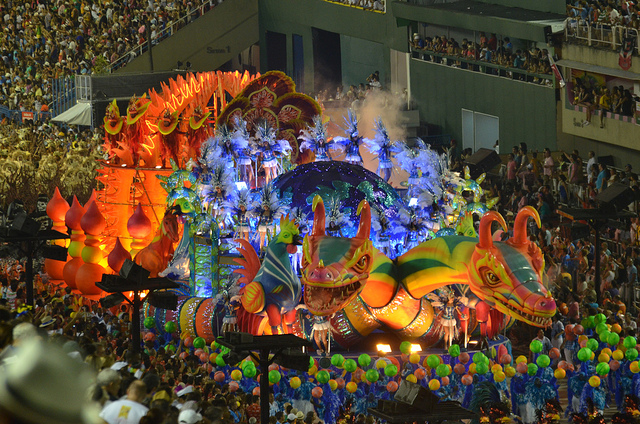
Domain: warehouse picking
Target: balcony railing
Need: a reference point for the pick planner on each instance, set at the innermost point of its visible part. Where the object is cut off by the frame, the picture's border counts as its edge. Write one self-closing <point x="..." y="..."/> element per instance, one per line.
<point x="484" y="67"/>
<point x="598" y="34"/>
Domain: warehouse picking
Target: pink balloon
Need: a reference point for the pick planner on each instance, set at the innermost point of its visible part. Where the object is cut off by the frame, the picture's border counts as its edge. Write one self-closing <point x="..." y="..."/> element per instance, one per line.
<point x="578" y="329"/>
<point x="233" y="386"/>
<point x="445" y="381"/>
<point x="522" y="368"/>
<point x="392" y="386"/>
<point x="505" y="359"/>
<point x="614" y="365"/>
<point x="317" y="392"/>
<point x="583" y="343"/>
<point x="256" y="391"/>
<point x="273" y="367"/>
<point x="564" y="365"/>
<point x="341" y="382"/>
<point x="467" y="379"/>
<point x="198" y="352"/>
<point x="464" y="357"/>
<point x="554" y="353"/>
<point x="459" y="369"/>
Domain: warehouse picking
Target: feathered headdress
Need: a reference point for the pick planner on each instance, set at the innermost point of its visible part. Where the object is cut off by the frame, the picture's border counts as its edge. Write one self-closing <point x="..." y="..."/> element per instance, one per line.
<point x="268" y="198"/>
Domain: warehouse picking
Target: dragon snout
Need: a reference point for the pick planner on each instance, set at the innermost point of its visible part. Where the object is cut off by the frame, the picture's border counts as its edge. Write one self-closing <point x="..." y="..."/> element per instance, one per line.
<point x="545" y="305"/>
<point x="321" y="275"/>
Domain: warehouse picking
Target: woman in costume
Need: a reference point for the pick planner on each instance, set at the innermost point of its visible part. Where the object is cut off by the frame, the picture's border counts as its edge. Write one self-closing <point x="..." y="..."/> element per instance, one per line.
<point x="243" y="141"/>
<point x="315" y="139"/>
<point x="269" y="149"/>
<point x="266" y="209"/>
<point x="238" y="214"/>
<point x="381" y="146"/>
<point x="449" y="306"/>
<point x="230" y="321"/>
<point x="352" y="142"/>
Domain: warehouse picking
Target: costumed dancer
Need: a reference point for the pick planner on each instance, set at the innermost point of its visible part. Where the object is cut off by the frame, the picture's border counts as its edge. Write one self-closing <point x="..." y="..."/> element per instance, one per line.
<point x="113" y="124"/>
<point x="414" y="222"/>
<point x="381" y="146"/>
<point x="238" y="213"/>
<point x="270" y="149"/>
<point x="300" y="218"/>
<point x="411" y="159"/>
<point x="337" y="218"/>
<point x="266" y="209"/>
<point x="220" y="188"/>
<point x="315" y="139"/>
<point x="223" y="146"/>
<point x="449" y="306"/>
<point x="320" y="332"/>
<point x="382" y="227"/>
<point x="241" y="137"/>
<point x="352" y="142"/>
<point x="230" y="305"/>
<point x="134" y="128"/>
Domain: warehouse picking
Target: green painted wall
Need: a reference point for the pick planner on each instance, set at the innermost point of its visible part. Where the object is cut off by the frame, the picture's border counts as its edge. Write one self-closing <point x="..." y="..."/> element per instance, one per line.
<point x="295" y="17"/>
<point x="527" y="112"/>
<point x="360" y="58"/>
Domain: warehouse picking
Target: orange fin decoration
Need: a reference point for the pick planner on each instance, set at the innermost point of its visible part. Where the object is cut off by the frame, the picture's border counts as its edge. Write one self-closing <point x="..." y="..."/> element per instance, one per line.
<point x="253" y="298"/>
<point x="249" y="262"/>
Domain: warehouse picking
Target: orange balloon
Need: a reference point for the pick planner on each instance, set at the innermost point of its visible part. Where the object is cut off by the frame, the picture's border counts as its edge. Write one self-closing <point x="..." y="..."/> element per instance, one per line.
<point x="420" y="373"/>
<point x="351" y="387"/>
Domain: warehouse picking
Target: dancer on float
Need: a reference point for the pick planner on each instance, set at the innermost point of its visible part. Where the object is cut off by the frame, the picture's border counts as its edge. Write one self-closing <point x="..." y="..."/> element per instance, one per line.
<point x="381" y="147"/>
<point x="269" y="149"/>
<point x="315" y="139"/>
<point x="352" y="142"/>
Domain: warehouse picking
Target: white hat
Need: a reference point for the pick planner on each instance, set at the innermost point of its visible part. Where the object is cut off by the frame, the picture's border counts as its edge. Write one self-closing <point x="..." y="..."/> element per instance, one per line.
<point x="189" y="416"/>
<point x="46" y="321"/>
<point x="291" y="417"/>
<point x="43" y="384"/>
<point x="118" y="366"/>
<point x="185" y="391"/>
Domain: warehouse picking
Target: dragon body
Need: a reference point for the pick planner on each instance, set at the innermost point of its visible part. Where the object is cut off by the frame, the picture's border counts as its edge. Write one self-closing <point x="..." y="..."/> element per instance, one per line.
<point x="359" y="289"/>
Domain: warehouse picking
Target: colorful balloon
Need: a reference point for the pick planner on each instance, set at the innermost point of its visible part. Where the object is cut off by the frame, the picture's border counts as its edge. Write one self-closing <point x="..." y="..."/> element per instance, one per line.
<point x="322" y="376"/>
<point x="532" y="369"/>
<point x="594" y="381"/>
<point x="443" y="370"/>
<point x="274" y="376"/>
<point x="199" y="343"/>
<point x="235" y="375"/>
<point x="535" y="346"/>
<point x="337" y="360"/>
<point x="629" y="342"/>
<point x="390" y="370"/>
<point x="434" y="384"/>
<point x="414" y="358"/>
<point x="602" y="369"/>
<point x="364" y="360"/>
<point x="466" y="379"/>
<point x="454" y="350"/>
<point x="352" y="387"/>
<point x="405" y="347"/>
<point x="392" y="386"/>
<point x="631" y="354"/>
<point x="543" y="361"/>
<point x="411" y="378"/>
<point x="372" y="375"/>
<point x="295" y="382"/>
<point x="350" y="365"/>
<point x="149" y="323"/>
<point x="559" y="373"/>
<point x="433" y="361"/>
<point x="170" y="327"/>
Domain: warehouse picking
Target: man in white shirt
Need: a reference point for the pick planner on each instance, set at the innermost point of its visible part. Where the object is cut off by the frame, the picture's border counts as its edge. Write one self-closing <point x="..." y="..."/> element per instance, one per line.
<point x="128" y="410"/>
<point x="590" y="164"/>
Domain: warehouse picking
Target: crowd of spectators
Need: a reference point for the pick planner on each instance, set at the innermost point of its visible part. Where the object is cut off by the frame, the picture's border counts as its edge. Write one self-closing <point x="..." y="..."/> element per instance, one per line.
<point x="609" y="13"/>
<point x="46" y="40"/>
<point x="377" y="5"/>
<point x="470" y="54"/>
<point x="617" y="100"/>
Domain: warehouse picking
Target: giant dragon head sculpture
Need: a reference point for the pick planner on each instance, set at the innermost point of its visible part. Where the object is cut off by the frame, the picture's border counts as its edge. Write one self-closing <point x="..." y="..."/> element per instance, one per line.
<point x="508" y="275"/>
<point x="334" y="269"/>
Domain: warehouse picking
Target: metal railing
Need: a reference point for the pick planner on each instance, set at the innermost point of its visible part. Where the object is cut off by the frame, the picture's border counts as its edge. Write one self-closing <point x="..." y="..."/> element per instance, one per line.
<point x="19" y="116"/>
<point x="596" y="34"/>
<point x="169" y="30"/>
<point x="484" y="67"/>
<point x="64" y="94"/>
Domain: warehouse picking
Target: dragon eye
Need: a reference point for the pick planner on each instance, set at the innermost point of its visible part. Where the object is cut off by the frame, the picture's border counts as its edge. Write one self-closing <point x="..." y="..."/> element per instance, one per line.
<point x="491" y="278"/>
<point x="362" y="264"/>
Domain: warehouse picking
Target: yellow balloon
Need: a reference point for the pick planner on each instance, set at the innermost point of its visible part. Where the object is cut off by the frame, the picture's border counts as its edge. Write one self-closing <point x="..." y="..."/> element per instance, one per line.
<point x="618" y="355"/>
<point x="499" y="376"/>
<point x="509" y="371"/>
<point x="411" y="378"/>
<point x="634" y="367"/>
<point x="603" y="357"/>
<point x="313" y="370"/>
<point x="414" y="358"/>
<point x="496" y="368"/>
<point x="606" y="350"/>
<point x="582" y="338"/>
<point x="472" y="368"/>
<point x="381" y="363"/>
<point x="594" y="381"/>
<point x="333" y="384"/>
<point x="560" y="373"/>
<point x="434" y="384"/>
<point x="352" y="387"/>
<point x="295" y="382"/>
<point x="521" y="359"/>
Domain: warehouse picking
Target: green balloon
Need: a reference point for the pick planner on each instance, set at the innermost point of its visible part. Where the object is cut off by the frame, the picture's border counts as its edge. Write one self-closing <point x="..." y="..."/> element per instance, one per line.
<point x="600" y="318"/>
<point x="543" y="361"/>
<point x="454" y="351"/>
<point x="350" y="365"/>
<point x="249" y="372"/>
<point x="323" y="376"/>
<point x="311" y="362"/>
<point x="602" y="368"/>
<point x="535" y="346"/>
<point x="246" y="364"/>
<point x="337" y="360"/>
<point x="601" y="327"/>
<point x="479" y="357"/>
<point x="613" y="339"/>
<point x="482" y="368"/>
<point x="170" y="327"/>
<point x="584" y="354"/>
<point x="604" y="336"/>
<point x="405" y="347"/>
<point x="219" y="361"/>
<point x="149" y="323"/>
<point x="443" y="370"/>
<point x="274" y="376"/>
<point x="170" y="347"/>
<point x="372" y="375"/>
<point x="364" y="360"/>
<point x="433" y="361"/>
<point x="591" y="322"/>
<point x="631" y="354"/>
<point x="199" y="343"/>
<point x="593" y="345"/>
<point x="390" y="370"/>
<point x="630" y="342"/>
<point x="585" y="322"/>
<point x="532" y="369"/>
